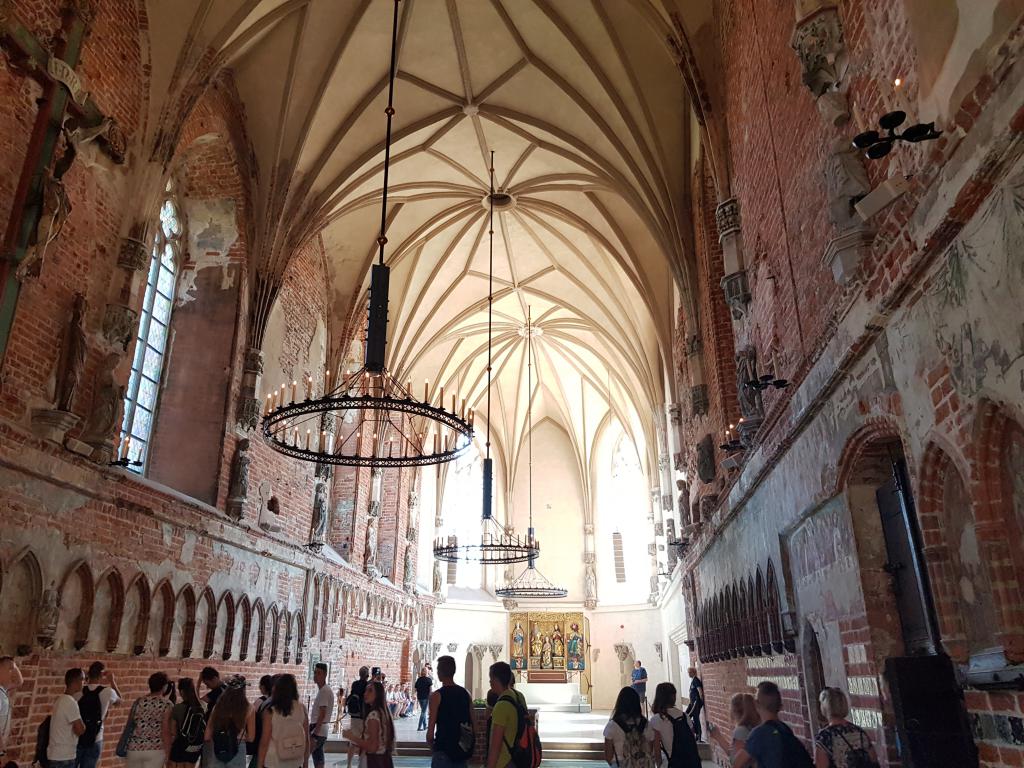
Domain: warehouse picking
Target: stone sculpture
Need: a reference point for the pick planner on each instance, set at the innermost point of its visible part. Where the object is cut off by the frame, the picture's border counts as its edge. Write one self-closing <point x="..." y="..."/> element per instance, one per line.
<point x="48" y="616"/>
<point x="238" y="491"/>
<point x="106" y="405"/>
<point x="72" y="358"/>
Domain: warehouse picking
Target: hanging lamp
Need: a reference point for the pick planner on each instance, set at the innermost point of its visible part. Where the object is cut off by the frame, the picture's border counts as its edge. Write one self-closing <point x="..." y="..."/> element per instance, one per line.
<point x="531" y="583"/>
<point x="394" y="426"/>
<point x="496" y="546"/>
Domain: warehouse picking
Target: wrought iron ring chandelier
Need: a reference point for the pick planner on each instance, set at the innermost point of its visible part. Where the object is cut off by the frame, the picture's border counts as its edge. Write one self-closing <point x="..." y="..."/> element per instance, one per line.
<point x="393" y="426"/>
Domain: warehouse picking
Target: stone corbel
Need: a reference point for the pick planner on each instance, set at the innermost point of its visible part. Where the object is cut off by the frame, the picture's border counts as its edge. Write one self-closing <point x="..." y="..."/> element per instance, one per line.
<point x="819" y="44"/>
<point x="699" y="400"/>
<point x="249" y="405"/>
<point x="119" y="325"/>
<point x="658" y="649"/>
<point x="730" y="237"/>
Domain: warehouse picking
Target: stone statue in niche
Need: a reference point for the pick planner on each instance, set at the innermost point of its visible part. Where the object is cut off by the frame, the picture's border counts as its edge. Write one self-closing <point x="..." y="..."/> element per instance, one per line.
<point x="238" y="491"/>
<point x="318" y="529"/>
<point x="370" y="553"/>
<point x="106" y="405"/>
<point x="437" y="577"/>
<point x="751" y="406"/>
<point x="47" y="616"/>
<point x="590" y="582"/>
<point x="72" y="357"/>
<point x="847" y="183"/>
<point x="706" y="459"/>
<point x="819" y="44"/>
<point x="408" y="578"/>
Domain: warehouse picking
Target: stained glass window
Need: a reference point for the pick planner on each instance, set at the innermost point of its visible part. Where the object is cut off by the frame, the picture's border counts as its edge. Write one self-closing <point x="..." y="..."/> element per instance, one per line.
<point x="153" y="337"/>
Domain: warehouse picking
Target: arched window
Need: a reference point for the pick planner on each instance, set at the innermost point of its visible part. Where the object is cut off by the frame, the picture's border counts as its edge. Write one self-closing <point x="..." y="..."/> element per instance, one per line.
<point x="154" y="321"/>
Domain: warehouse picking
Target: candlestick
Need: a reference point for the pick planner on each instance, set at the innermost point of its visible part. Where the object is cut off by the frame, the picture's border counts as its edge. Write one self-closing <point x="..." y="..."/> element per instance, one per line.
<point x="281" y="402"/>
<point x="426" y="391"/>
<point x="463" y="409"/>
<point x="440" y="400"/>
<point x="453" y="403"/>
<point x="125" y="446"/>
<point x="295" y="385"/>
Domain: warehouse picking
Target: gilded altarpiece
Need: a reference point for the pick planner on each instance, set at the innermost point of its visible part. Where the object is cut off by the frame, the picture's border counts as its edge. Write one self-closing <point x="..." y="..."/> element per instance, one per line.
<point x="548" y="640"/>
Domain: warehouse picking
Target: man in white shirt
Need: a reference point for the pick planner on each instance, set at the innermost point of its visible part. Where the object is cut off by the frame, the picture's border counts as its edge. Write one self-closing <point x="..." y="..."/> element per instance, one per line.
<point x="66" y="723"/>
<point x="320" y="717"/>
<point x="94" y="700"/>
<point x="10" y="678"/>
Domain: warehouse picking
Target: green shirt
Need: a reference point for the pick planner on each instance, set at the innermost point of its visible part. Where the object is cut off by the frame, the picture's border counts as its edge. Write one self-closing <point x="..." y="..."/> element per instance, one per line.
<point x="505" y="715"/>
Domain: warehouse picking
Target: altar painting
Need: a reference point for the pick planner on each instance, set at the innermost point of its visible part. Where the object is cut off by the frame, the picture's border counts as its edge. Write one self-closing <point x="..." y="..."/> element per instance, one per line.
<point x="542" y="640"/>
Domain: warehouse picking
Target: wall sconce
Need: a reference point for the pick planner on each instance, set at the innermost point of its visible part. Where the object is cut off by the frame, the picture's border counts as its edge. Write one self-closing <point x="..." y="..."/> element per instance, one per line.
<point x="876" y="145"/>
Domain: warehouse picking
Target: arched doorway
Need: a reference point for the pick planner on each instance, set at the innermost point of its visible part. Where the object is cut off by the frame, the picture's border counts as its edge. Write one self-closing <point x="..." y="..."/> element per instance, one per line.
<point x="814" y="673"/>
<point x="927" y="701"/>
<point x="470" y="675"/>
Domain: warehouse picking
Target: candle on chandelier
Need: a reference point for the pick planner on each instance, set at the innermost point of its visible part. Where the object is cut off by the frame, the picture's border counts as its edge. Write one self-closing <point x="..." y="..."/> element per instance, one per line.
<point x="281" y="403"/>
<point x="463" y="409"/>
<point x="295" y="386"/>
<point x="441" y="399"/>
<point x="437" y="442"/>
<point x="295" y="438"/>
<point x="125" y="447"/>
<point x="309" y="386"/>
<point x="330" y="442"/>
<point x="426" y="391"/>
<point x="453" y="403"/>
<point x="308" y="431"/>
<point x="323" y="441"/>
<point x="327" y="381"/>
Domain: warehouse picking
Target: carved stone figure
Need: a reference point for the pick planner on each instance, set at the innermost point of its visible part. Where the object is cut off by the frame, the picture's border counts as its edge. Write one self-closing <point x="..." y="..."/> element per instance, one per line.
<point x="72" y="358"/>
<point x="819" y="44"/>
<point x="321" y="513"/>
<point x="437" y="577"/>
<point x="238" y="491"/>
<point x="751" y="406"/>
<point x="847" y="183"/>
<point x="106" y="405"/>
<point x="55" y="205"/>
<point x="370" y="553"/>
<point x="47" y="616"/>
<point x="706" y="459"/>
<point x="590" y="583"/>
<point x="119" y="325"/>
<point x="408" y="578"/>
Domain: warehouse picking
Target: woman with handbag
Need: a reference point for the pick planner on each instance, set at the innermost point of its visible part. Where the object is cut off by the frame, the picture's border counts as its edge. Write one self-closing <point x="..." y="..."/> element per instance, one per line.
<point x="378" y="739"/>
<point x="146" y="739"/>
<point x="285" y="739"/>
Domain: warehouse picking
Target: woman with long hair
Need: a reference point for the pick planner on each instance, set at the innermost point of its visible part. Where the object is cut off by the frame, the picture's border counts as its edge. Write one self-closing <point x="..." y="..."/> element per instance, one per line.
<point x="840" y="744"/>
<point x="378" y="739"/>
<point x="231" y="724"/>
<point x="627" y="738"/>
<point x="188" y="726"/>
<point x="672" y="733"/>
<point x="285" y="739"/>
<point x="743" y="712"/>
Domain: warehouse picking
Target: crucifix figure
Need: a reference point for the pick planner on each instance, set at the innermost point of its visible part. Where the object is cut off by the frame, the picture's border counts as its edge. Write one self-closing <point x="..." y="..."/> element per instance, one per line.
<point x="65" y="111"/>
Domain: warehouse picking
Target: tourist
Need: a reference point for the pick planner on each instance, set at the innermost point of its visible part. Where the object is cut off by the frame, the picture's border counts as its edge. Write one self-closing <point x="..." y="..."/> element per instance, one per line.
<point x="187" y="726"/>
<point x="696" y="704"/>
<point x="743" y="712"/>
<point x="231" y="723"/>
<point x="339" y="709"/>
<point x="491" y="699"/>
<point x="94" y="701"/>
<point x="323" y="708"/>
<point x="252" y="746"/>
<point x="66" y="723"/>
<point x="391" y="697"/>
<point x="450" y="713"/>
<point x="772" y="743"/>
<point x="149" y="741"/>
<point x="285" y="739"/>
<point x="509" y="708"/>
<point x="209" y="678"/>
<point x="627" y="737"/>
<point x="639" y="682"/>
<point x="410" y="702"/>
<point x="10" y="679"/>
<point x="840" y="744"/>
<point x="423" y="686"/>
<point x="674" y="742"/>
<point x="378" y="740"/>
<point x="354" y="705"/>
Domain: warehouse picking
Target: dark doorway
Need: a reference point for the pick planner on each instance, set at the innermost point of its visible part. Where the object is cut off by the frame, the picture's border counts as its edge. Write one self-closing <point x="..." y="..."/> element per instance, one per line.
<point x="814" y="669"/>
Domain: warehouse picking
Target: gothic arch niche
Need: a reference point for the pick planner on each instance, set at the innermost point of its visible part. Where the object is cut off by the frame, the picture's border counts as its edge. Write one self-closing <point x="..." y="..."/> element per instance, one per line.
<point x="300" y="636"/>
<point x="243" y="624"/>
<point x="206" y="624"/>
<point x="814" y="673"/>
<point x="161" y="620"/>
<point x="289" y="639"/>
<point x="107" y="612"/>
<point x="325" y="610"/>
<point x="223" y="627"/>
<point x="275" y="633"/>
<point x="135" y="623"/>
<point x="76" y="595"/>
<point x="260" y="620"/>
<point x="183" y="629"/>
<point x="21" y="589"/>
<point x="470" y="674"/>
<point x="316" y="606"/>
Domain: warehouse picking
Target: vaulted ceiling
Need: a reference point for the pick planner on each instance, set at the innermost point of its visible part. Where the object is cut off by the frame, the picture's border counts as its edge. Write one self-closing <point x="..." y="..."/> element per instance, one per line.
<point x="586" y="111"/>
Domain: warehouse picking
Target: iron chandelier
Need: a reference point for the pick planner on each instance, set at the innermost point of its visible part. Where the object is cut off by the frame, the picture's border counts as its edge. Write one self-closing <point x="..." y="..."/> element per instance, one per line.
<point x="392" y="425"/>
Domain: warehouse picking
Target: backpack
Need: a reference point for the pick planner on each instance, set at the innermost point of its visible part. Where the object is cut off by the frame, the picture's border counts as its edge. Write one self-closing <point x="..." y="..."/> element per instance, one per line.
<point x="289" y="736"/>
<point x="684" y="746"/>
<point x="42" y="743"/>
<point x="526" y="750"/>
<point x="794" y="753"/>
<point x="856" y="757"/>
<point x="225" y="743"/>
<point x="635" y="752"/>
<point x="458" y="739"/>
<point x="192" y="731"/>
<point x="91" y="709"/>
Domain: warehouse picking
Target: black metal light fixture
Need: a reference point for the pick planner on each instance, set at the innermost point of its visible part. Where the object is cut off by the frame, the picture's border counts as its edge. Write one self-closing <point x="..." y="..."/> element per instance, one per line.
<point x="496" y="546"/>
<point x="732" y="443"/>
<point x="877" y="145"/>
<point x="393" y="426"/>
<point x="762" y="383"/>
<point x="531" y="583"/>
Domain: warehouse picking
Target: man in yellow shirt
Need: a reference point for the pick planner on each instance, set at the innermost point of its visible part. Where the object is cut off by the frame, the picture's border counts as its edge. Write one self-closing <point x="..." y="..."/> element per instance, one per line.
<point x="505" y="718"/>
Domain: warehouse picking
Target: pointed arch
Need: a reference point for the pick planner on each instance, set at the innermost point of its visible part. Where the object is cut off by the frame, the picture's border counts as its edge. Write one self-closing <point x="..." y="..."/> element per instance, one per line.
<point x="161" y="622"/>
<point x="206" y="624"/>
<point x="325" y="608"/>
<point x="275" y="632"/>
<point x="243" y="625"/>
<point x="77" y="590"/>
<point x="774" y="609"/>
<point x="315" y="615"/>
<point x="289" y="636"/>
<point x="260" y="620"/>
<point x="183" y="633"/>
<point x="21" y="594"/>
<point x="135" y="623"/>
<point x="300" y="636"/>
<point x="762" y="614"/>
<point x="745" y="644"/>
<point x="224" y="628"/>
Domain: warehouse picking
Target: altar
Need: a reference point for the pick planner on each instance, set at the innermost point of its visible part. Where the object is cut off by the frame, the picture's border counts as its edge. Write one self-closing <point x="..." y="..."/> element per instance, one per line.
<point x="549" y="653"/>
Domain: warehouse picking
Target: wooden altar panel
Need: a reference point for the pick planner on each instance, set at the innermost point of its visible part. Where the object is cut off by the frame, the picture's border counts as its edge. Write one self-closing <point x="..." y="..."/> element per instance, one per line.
<point x="546" y="676"/>
<point x="548" y="640"/>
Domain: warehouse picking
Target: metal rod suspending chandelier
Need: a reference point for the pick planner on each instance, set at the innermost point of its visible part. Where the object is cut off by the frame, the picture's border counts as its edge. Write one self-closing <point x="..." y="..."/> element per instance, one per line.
<point x="381" y="422"/>
<point x="496" y="546"/>
<point x="531" y="583"/>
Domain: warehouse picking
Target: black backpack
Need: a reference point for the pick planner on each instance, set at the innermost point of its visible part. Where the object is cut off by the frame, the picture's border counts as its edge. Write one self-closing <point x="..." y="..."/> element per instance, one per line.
<point x="794" y="753"/>
<point x="91" y="709"/>
<point x="856" y="757"/>
<point x="225" y="743"/>
<point x="192" y="731"/>
<point x="42" y="743"/>
<point x="684" y="746"/>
